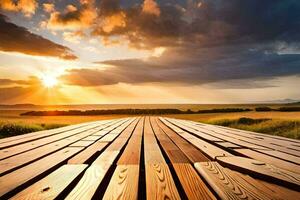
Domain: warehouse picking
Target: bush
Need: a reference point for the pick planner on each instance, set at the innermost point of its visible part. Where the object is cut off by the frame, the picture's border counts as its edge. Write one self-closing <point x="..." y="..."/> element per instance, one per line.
<point x="289" y="109"/>
<point x="249" y="121"/>
<point x="130" y="112"/>
<point x="263" y="109"/>
<point x="11" y="129"/>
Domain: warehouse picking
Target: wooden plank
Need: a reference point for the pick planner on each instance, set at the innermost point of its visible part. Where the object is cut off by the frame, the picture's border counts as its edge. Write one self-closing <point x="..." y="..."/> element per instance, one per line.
<point x="230" y="185"/>
<point x="283" y="156"/>
<point x="221" y="135"/>
<point x="172" y="123"/>
<point x="206" y="148"/>
<point x="82" y="143"/>
<point x="132" y="152"/>
<point x="118" y="143"/>
<point x="281" y="191"/>
<point x="124" y="183"/>
<point x="228" y="145"/>
<point x="256" y="138"/>
<point x="52" y="185"/>
<point x="89" y="183"/>
<point x="37" y="143"/>
<point x="28" y="156"/>
<point x="273" y="138"/>
<point x="108" y="137"/>
<point x="19" y="139"/>
<point x="187" y="127"/>
<point x="261" y="170"/>
<point x="192" y="153"/>
<point x="151" y="149"/>
<point x="84" y="155"/>
<point x="159" y="182"/>
<point x="101" y="133"/>
<point x="92" y="138"/>
<point x="19" y="177"/>
<point x="193" y="185"/>
<point x="95" y="174"/>
<point x="265" y="142"/>
<point x="174" y="154"/>
<point x="270" y="160"/>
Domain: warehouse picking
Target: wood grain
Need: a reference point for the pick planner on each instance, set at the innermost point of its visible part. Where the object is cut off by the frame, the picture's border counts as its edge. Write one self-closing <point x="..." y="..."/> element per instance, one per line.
<point x="193" y="185"/>
<point x="261" y="169"/>
<point x="21" y="176"/>
<point x="230" y="185"/>
<point x="124" y="183"/>
<point x="152" y="151"/>
<point x="132" y="152"/>
<point x="84" y="155"/>
<point x="53" y="184"/>
<point x="88" y="184"/>
<point x="206" y="148"/>
<point x="282" y="156"/>
<point x="192" y="153"/>
<point x="174" y="154"/>
<point x="159" y="182"/>
<point x="269" y="159"/>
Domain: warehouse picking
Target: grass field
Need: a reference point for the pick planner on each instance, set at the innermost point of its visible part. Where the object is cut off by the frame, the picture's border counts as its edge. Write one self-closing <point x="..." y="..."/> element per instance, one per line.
<point x="285" y="124"/>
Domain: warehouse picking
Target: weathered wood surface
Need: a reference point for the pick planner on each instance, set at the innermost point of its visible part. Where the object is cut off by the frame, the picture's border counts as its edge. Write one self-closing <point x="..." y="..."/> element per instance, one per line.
<point x="149" y="158"/>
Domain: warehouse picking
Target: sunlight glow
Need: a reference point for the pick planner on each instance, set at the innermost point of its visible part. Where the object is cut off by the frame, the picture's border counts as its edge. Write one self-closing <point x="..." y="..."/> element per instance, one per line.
<point x="158" y="51"/>
<point x="49" y="81"/>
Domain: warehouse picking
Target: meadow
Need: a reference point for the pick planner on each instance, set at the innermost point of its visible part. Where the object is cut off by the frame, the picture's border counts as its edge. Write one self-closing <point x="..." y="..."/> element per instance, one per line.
<point x="285" y="124"/>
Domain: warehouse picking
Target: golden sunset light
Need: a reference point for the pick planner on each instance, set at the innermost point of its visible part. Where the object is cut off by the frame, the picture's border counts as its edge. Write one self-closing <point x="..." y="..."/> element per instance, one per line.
<point x="191" y="45"/>
<point x="150" y="99"/>
<point x="49" y="81"/>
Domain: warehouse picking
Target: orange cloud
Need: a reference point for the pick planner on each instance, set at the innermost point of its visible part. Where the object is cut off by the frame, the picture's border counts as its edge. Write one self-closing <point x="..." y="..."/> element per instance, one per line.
<point x="27" y="7"/>
<point x="73" y="18"/>
<point x="48" y="7"/>
<point x="113" y="21"/>
<point x="151" y="7"/>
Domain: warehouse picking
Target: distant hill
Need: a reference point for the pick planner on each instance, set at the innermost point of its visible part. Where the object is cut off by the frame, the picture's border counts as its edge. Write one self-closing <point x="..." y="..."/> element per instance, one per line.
<point x="294" y="103"/>
<point x="283" y="101"/>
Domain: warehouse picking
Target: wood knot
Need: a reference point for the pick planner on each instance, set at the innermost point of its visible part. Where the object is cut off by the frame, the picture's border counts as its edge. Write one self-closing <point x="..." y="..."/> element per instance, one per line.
<point x="45" y="189"/>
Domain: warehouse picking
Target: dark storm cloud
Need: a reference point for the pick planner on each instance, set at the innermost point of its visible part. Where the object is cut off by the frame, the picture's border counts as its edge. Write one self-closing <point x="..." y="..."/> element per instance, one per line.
<point x="201" y="67"/>
<point x="14" y="38"/>
<point x="206" y="23"/>
<point x="214" y="41"/>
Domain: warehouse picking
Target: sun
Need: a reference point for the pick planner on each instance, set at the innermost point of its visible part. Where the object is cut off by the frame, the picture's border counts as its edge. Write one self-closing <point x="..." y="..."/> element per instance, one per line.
<point x="49" y="81"/>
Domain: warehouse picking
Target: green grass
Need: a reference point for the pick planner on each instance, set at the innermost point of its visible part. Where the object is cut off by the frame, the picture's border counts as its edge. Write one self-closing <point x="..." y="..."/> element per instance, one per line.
<point x="8" y="129"/>
<point x="280" y="127"/>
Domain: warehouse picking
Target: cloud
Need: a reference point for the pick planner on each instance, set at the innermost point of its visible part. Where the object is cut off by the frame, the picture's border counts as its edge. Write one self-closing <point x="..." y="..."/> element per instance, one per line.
<point x="196" y="67"/>
<point x="48" y="7"/>
<point x="14" y="38"/>
<point x="205" y="23"/>
<point x="73" y="37"/>
<point x="11" y="82"/>
<point x="151" y="7"/>
<point x="27" y="7"/>
<point x="29" y="82"/>
<point x="73" y="18"/>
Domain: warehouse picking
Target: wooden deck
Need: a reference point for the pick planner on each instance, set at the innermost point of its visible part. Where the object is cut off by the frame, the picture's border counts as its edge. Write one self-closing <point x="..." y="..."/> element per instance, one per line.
<point x="149" y="158"/>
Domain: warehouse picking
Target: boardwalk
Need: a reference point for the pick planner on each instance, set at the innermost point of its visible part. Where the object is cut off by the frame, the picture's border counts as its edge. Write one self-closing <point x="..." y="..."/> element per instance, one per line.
<point x="149" y="158"/>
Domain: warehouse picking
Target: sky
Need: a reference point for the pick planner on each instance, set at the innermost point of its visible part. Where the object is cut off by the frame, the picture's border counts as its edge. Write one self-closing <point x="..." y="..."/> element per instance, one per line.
<point x="149" y="51"/>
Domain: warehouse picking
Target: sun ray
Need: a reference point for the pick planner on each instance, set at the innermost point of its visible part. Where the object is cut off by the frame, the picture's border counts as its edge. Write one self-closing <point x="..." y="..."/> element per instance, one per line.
<point x="49" y="81"/>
